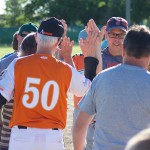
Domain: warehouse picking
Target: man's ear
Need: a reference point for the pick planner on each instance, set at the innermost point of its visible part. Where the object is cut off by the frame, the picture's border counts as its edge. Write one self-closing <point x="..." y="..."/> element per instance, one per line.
<point x="17" y="36"/>
<point x="123" y="51"/>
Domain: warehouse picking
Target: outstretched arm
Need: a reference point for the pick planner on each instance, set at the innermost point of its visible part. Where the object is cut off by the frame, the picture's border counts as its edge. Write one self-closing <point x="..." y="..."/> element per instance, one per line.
<point x="80" y="130"/>
<point x="94" y="40"/>
<point x="91" y="49"/>
<point x="65" y="26"/>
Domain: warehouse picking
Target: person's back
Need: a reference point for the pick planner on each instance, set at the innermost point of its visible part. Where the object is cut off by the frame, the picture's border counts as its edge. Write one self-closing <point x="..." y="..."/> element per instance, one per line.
<point x="121" y="104"/>
<point x="61" y="76"/>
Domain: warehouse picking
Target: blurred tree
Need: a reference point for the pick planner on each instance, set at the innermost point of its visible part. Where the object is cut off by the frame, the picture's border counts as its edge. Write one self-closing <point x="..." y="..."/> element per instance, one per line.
<point x="73" y="11"/>
<point x="140" y="10"/>
<point x="14" y="12"/>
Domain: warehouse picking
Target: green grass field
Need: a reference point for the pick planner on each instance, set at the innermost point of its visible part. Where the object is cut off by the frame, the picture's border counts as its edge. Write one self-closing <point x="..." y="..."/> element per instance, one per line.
<point x="7" y="49"/>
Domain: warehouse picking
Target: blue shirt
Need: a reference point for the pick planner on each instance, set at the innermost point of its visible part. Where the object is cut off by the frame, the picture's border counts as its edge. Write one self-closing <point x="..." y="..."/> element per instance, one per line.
<point x="109" y="60"/>
<point x="120" y="98"/>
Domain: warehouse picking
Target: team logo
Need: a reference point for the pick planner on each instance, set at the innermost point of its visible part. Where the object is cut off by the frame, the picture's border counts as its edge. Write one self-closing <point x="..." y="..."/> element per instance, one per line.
<point x="118" y="22"/>
<point x="46" y="33"/>
<point x="44" y="57"/>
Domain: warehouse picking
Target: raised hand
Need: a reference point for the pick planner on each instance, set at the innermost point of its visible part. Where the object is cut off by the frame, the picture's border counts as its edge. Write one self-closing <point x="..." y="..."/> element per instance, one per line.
<point x="66" y="47"/>
<point x="92" y="27"/>
<point x="65" y="26"/>
<point x="91" y="46"/>
<point x="66" y="50"/>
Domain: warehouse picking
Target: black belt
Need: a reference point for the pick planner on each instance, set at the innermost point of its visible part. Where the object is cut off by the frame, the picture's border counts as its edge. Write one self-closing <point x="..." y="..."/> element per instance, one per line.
<point x="24" y="127"/>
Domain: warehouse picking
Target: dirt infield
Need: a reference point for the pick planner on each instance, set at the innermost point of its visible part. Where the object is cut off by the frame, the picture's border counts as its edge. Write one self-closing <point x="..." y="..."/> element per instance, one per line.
<point x="68" y="130"/>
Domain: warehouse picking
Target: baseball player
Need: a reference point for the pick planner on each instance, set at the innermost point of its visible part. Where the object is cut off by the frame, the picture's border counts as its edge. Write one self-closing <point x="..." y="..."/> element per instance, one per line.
<point x="40" y="84"/>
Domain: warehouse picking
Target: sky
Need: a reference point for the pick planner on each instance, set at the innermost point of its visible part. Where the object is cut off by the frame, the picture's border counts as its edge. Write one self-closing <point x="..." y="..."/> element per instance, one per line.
<point x="2" y="6"/>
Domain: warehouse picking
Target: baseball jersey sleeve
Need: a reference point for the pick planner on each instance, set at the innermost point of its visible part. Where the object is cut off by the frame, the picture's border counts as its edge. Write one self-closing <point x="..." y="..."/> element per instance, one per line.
<point x="79" y="84"/>
<point x="7" y="82"/>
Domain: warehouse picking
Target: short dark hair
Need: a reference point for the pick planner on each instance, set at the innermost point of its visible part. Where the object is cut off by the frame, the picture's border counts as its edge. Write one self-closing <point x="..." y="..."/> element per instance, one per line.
<point x="15" y="41"/>
<point x="28" y="45"/>
<point x="137" y="41"/>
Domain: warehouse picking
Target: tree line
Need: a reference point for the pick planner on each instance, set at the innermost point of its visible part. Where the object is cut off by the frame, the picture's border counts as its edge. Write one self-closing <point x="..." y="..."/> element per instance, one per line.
<point x="75" y="12"/>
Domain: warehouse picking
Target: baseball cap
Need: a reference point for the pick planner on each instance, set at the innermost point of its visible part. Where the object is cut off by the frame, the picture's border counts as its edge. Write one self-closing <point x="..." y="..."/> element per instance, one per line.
<point x="27" y="28"/>
<point x="82" y="34"/>
<point x="117" y="22"/>
<point x="51" y="27"/>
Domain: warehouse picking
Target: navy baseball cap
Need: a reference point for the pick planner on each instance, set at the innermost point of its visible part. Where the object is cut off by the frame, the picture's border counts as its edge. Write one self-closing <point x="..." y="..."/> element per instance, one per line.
<point x="51" y="27"/>
<point x="27" y="28"/>
<point x="117" y="22"/>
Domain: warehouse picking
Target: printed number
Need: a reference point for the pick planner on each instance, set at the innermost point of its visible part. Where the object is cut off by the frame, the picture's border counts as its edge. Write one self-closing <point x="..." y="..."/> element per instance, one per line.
<point x="44" y="94"/>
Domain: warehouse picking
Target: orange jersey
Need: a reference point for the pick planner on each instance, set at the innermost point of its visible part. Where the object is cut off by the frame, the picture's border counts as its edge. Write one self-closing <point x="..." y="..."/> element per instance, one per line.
<point x="40" y="84"/>
<point x="79" y="64"/>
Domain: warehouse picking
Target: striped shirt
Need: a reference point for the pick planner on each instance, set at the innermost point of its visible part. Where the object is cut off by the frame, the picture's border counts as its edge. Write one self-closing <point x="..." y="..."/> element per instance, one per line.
<point x="6" y="116"/>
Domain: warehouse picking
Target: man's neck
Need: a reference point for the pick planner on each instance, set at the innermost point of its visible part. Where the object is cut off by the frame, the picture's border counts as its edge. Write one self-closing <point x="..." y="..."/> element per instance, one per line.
<point x="44" y="50"/>
<point x="141" y="62"/>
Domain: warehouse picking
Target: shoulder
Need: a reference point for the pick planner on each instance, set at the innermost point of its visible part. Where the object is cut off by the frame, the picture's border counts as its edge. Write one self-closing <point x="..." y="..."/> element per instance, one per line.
<point x="6" y="55"/>
<point x="4" y="63"/>
<point x="9" y="58"/>
<point x="111" y="69"/>
<point x="66" y="65"/>
<point x="26" y="58"/>
<point x="109" y="72"/>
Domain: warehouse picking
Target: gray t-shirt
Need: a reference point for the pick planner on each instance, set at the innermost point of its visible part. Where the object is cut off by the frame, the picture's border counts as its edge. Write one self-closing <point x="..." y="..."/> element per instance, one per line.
<point x="120" y="98"/>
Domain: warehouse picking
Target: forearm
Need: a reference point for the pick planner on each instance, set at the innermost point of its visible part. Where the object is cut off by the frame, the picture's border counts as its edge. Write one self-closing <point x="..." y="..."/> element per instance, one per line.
<point x="99" y="66"/>
<point x="80" y="130"/>
<point x="79" y="136"/>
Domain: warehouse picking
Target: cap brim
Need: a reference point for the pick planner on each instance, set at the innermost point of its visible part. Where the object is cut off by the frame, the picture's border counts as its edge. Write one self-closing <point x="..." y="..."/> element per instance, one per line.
<point x="117" y="27"/>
